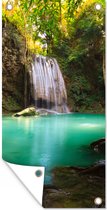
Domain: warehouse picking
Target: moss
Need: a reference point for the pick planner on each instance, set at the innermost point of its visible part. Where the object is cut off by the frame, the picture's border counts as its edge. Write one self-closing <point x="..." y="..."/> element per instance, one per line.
<point x="71" y="189"/>
<point x="30" y="111"/>
<point x="14" y="70"/>
<point x="10" y="105"/>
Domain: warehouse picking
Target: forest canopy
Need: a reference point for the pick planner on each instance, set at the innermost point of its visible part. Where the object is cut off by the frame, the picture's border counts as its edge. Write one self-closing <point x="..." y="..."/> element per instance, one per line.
<point x="46" y="23"/>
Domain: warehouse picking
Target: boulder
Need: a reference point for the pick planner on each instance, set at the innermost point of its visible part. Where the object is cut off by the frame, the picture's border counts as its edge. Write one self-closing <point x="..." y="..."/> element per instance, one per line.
<point x="30" y="111"/>
<point x="99" y="145"/>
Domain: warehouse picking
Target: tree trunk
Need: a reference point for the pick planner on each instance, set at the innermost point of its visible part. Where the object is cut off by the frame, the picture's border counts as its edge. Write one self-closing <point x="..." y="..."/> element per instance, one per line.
<point x="104" y="67"/>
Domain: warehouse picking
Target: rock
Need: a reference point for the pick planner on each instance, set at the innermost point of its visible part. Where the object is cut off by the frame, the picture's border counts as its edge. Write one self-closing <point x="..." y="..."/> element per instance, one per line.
<point x="14" y="70"/>
<point x="97" y="170"/>
<point x="30" y="111"/>
<point x="75" y="187"/>
<point x="99" y="145"/>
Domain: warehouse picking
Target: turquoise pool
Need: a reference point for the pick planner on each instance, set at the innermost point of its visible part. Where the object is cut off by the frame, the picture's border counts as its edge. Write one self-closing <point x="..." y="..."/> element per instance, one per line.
<point x="53" y="140"/>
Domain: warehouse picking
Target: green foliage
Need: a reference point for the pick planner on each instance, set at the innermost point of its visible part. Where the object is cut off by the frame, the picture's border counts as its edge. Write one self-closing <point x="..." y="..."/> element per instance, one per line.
<point x="74" y="33"/>
<point x="81" y="59"/>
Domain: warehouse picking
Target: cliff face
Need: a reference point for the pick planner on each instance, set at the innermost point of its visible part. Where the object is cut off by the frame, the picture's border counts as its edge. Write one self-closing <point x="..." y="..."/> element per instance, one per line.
<point x="14" y="71"/>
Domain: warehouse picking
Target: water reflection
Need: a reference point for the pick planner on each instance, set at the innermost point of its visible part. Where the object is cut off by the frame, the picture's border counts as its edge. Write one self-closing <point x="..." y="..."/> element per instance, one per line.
<point x="52" y="140"/>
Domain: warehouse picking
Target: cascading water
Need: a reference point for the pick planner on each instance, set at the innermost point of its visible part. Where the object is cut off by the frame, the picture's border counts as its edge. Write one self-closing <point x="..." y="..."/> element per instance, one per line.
<point x="48" y="88"/>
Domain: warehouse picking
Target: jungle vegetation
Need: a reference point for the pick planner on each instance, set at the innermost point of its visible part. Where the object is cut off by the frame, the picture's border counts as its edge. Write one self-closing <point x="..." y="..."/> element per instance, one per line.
<point x="73" y="31"/>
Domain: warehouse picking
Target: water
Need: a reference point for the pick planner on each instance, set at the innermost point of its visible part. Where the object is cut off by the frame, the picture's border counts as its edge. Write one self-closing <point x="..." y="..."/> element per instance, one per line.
<point x="53" y="140"/>
<point x="48" y="88"/>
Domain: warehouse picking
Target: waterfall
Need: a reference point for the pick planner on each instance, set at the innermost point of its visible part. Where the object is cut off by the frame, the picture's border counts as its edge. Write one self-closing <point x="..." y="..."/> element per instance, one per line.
<point x="48" y="88"/>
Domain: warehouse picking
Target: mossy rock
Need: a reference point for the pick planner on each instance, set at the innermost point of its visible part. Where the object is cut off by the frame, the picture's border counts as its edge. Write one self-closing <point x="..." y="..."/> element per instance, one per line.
<point x="30" y="111"/>
<point x="75" y="187"/>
